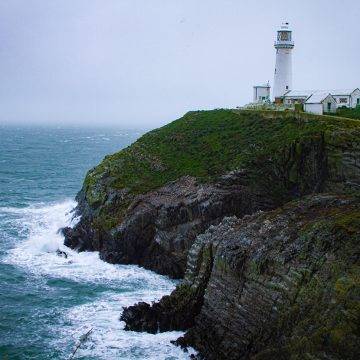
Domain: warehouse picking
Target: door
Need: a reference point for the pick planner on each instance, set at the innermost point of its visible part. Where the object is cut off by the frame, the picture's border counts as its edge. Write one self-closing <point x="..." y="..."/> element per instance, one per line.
<point x="329" y="107"/>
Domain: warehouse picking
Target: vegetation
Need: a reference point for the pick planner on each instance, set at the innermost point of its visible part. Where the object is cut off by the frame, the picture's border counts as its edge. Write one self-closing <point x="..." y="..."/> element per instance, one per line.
<point x="205" y="144"/>
<point x="348" y="113"/>
<point x="299" y="107"/>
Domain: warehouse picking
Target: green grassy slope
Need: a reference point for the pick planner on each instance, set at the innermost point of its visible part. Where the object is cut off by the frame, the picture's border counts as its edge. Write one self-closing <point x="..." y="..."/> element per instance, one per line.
<point x="205" y="144"/>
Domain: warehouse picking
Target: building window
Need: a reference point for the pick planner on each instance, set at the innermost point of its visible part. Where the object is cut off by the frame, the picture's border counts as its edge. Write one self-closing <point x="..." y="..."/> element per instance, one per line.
<point x="343" y="100"/>
<point x="358" y="101"/>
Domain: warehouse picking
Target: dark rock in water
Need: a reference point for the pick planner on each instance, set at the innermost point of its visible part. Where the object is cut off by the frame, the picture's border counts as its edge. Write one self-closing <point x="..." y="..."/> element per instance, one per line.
<point x="174" y="312"/>
<point x="78" y="237"/>
<point x="61" y="253"/>
<point x="282" y="284"/>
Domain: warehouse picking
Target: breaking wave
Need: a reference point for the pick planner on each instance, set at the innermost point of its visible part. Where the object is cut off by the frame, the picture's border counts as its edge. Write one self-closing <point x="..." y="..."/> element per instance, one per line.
<point x="108" y="287"/>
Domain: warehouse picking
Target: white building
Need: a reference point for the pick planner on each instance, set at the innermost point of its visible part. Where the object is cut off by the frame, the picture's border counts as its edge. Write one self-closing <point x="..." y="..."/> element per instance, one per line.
<point x="261" y="93"/>
<point x="348" y="97"/>
<point x="319" y="103"/>
<point x="297" y="96"/>
<point x="283" y="67"/>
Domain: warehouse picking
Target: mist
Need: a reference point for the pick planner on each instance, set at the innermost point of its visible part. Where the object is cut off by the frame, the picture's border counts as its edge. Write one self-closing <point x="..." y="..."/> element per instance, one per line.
<point x="140" y="63"/>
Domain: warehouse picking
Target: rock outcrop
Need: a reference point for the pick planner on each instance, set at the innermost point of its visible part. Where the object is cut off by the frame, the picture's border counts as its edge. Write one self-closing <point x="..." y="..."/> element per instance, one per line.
<point x="160" y="226"/>
<point x="146" y="204"/>
<point x="283" y="284"/>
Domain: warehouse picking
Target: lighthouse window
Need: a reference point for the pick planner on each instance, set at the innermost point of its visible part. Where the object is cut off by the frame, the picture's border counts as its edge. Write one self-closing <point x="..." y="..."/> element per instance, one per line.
<point x="284" y="36"/>
<point x="287" y="87"/>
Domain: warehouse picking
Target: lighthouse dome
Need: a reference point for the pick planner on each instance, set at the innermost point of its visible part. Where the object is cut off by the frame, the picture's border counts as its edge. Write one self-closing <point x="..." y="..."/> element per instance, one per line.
<point x="285" y="26"/>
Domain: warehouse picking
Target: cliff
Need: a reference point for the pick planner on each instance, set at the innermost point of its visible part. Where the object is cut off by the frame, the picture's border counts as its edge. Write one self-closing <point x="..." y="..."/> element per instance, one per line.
<point x="284" y="284"/>
<point x="257" y="211"/>
<point x="146" y="204"/>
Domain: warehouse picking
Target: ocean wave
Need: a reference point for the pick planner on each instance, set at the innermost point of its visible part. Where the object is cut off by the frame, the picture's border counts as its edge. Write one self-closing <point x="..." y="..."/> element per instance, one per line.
<point x="38" y="253"/>
<point x="121" y="285"/>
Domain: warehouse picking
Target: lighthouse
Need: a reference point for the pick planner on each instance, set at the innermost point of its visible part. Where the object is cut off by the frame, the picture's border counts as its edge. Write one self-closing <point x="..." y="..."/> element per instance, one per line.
<point x="283" y="66"/>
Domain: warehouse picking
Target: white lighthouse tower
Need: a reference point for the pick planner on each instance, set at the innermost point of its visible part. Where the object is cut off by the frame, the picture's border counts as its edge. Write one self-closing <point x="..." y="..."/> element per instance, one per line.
<point x="283" y="67"/>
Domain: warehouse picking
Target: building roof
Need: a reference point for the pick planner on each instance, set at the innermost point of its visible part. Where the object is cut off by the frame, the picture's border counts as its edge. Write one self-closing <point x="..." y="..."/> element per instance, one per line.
<point x="308" y="93"/>
<point x="317" y="98"/>
<point x="267" y="86"/>
<point x="345" y="92"/>
<point x="299" y="93"/>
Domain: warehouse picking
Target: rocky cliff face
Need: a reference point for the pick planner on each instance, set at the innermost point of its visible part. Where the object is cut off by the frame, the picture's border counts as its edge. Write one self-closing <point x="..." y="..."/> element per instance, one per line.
<point x="282" y="284"/>
<point x="160" y="226"/>
<point x="275" y="279"/>
<point x="141" y="206"/>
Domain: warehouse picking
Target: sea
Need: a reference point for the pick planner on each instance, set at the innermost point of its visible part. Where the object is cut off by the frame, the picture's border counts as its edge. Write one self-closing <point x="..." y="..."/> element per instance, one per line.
<point x="53" y="307"/>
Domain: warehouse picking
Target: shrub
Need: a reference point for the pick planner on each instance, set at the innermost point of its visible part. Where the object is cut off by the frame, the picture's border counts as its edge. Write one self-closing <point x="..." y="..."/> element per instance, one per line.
<point x="299" y="107"/>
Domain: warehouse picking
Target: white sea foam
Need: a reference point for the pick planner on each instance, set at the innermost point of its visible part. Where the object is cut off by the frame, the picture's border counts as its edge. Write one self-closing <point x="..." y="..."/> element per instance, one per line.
<point x="40" y="224"/>
<point x="108" y="340"/>
<point x="124" y="285"/>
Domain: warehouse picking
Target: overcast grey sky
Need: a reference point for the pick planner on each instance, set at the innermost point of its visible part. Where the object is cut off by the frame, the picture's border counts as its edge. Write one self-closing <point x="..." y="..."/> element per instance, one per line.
<point x="142" y="63"/>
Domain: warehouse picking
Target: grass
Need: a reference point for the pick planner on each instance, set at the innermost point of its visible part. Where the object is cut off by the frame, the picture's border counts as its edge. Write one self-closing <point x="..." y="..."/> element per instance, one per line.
<point x="204" y="144"/>
<point x="348" y="113"/>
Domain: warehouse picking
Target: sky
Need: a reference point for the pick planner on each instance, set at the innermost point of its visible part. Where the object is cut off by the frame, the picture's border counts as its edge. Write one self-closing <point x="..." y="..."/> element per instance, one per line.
<point x="143" y="63"/>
